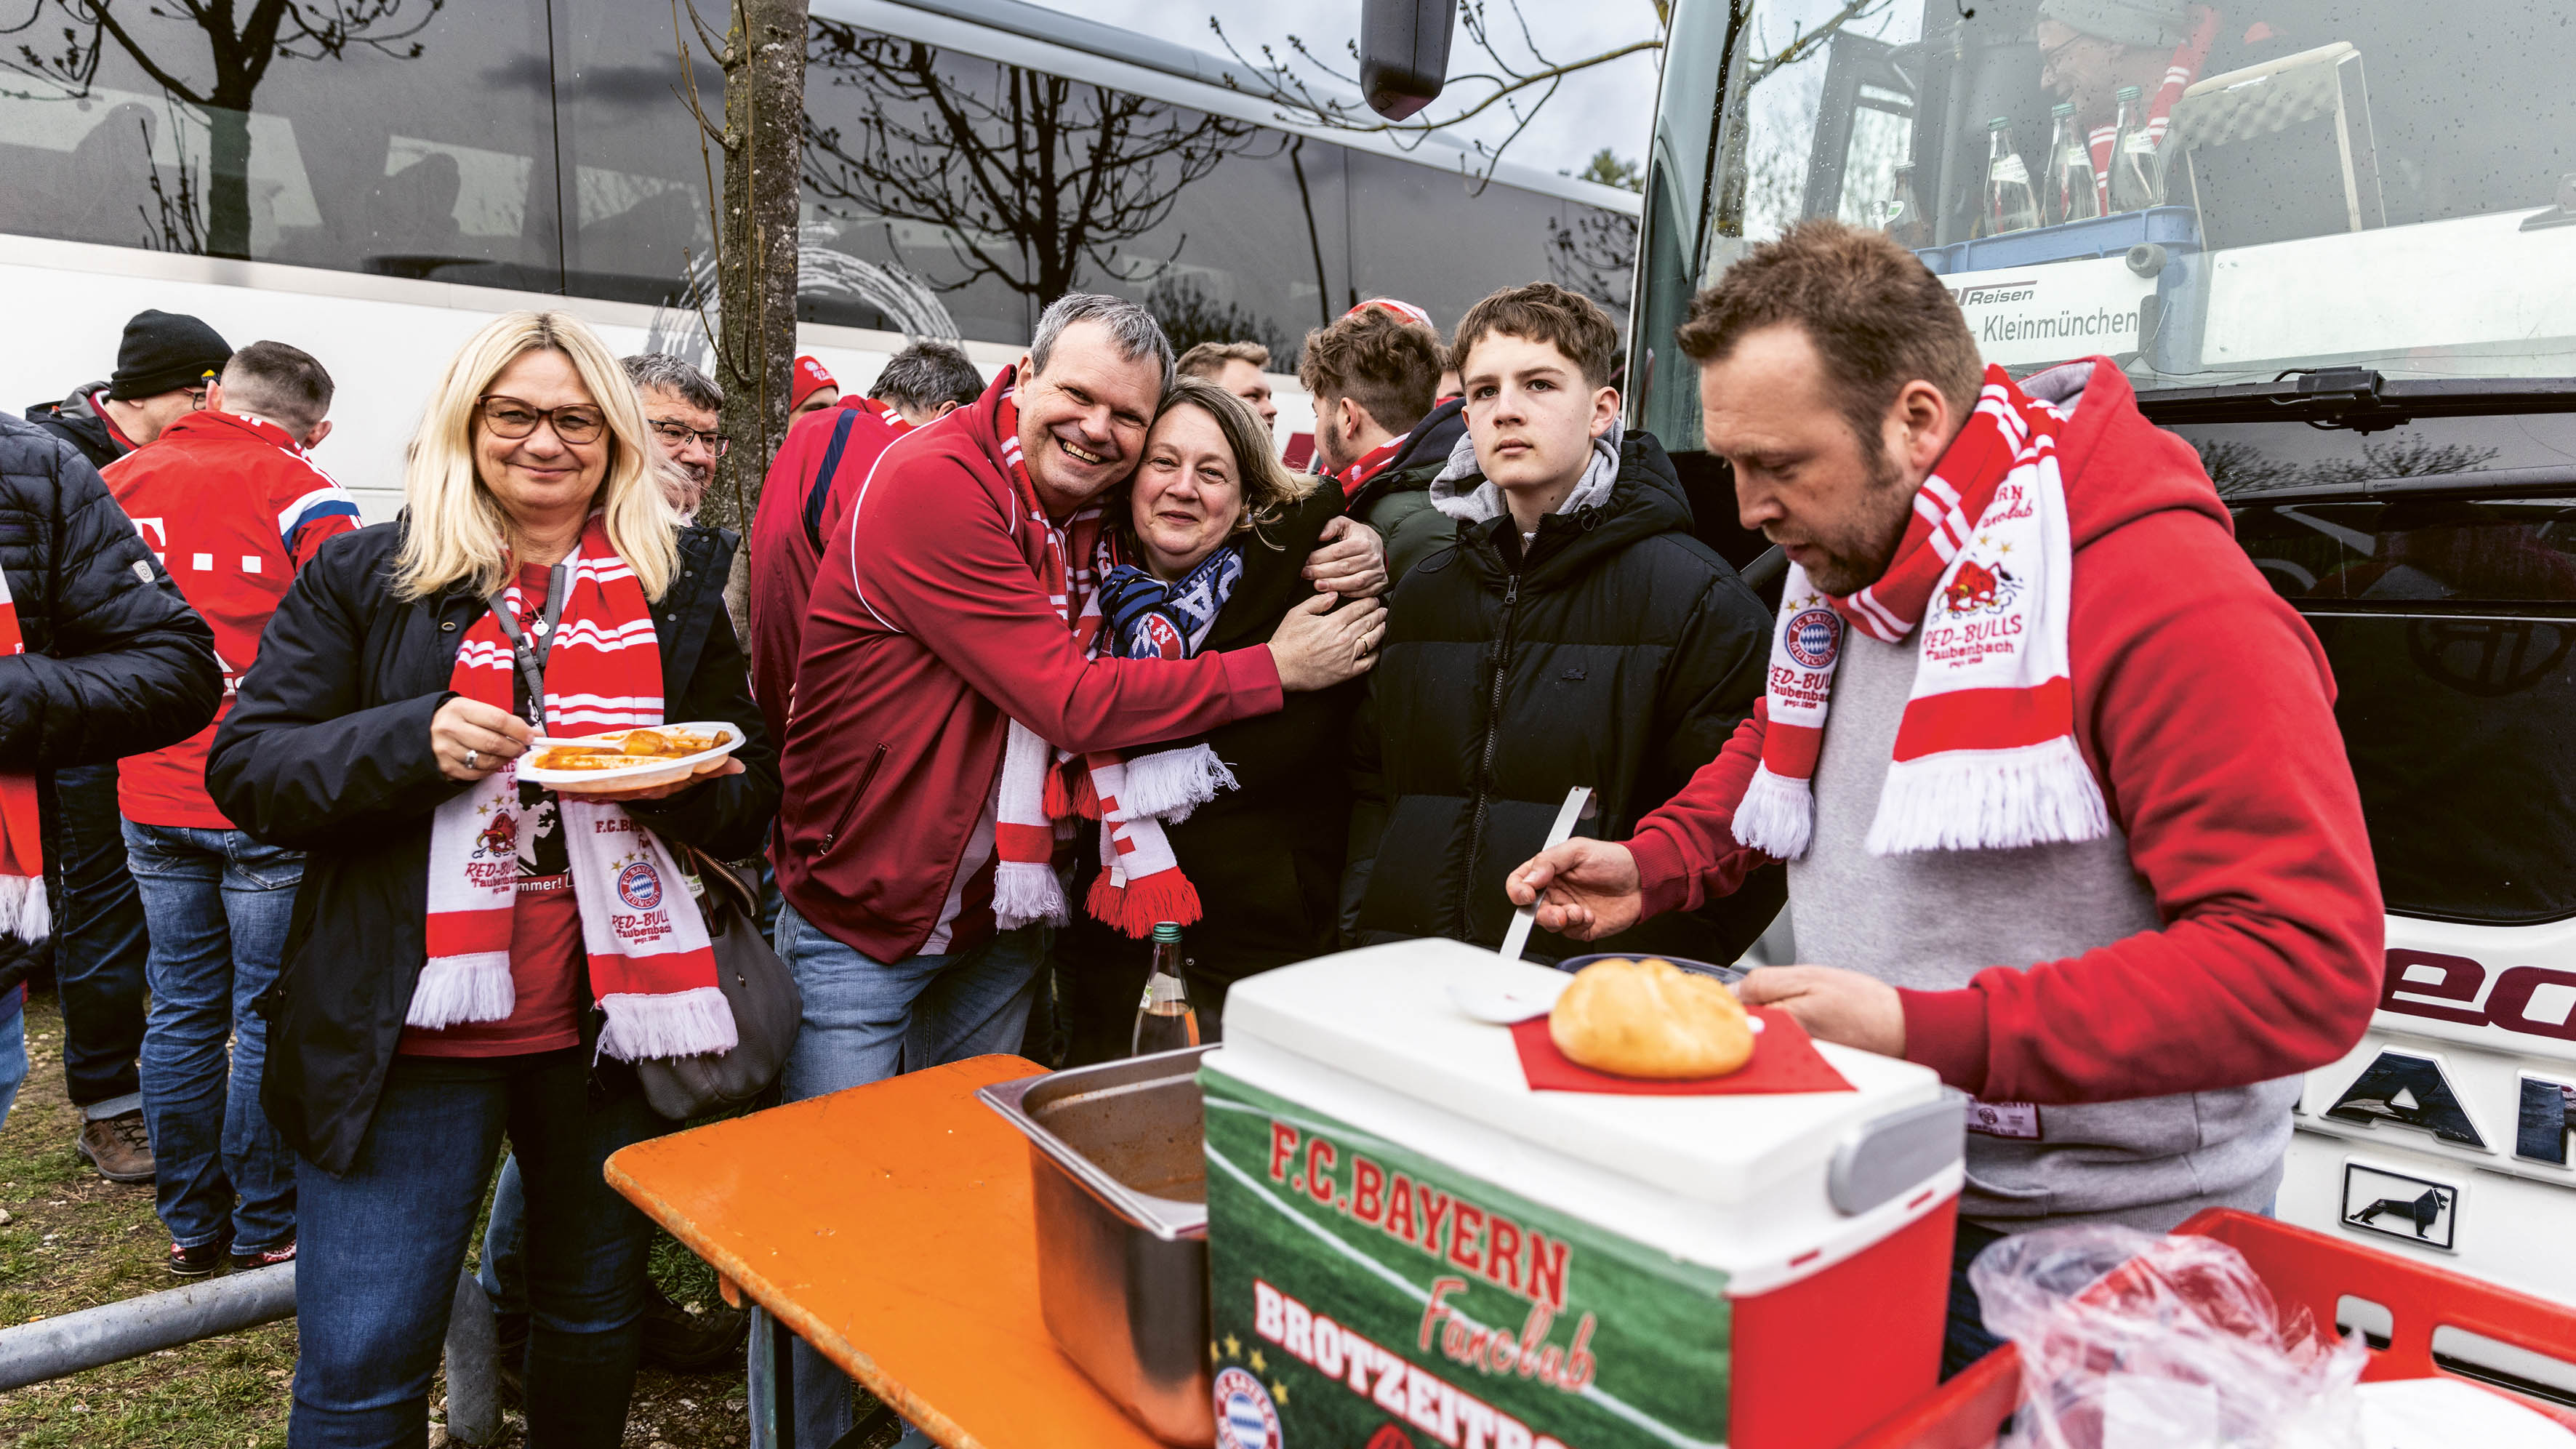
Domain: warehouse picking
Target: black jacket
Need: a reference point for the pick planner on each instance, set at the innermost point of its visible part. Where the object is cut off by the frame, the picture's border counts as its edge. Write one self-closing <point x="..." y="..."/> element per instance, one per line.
<point x="75" y="420"/>
<point x="1265" y="857"/>
<point x="1619" y="654"/>
<point x="327" y="751"/>
<point x="116" y="662"/>
<point x="1396" y="499"/>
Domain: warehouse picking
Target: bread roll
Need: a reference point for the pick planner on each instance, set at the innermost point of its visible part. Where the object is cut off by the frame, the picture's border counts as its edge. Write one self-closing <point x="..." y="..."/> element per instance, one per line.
<point x="1650" y="1018"/>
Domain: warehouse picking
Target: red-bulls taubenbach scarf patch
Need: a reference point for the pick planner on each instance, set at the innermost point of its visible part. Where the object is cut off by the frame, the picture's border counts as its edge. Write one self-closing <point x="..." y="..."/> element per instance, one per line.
<point x="651" y="968"/>
<point x="1985" y="754"/>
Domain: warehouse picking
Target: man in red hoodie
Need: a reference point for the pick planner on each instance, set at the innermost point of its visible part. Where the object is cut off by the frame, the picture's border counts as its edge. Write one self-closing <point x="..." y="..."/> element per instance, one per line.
<point x="233" y="507"/>
<point x="2057" y="776"/>
<point x="943" y="667"/>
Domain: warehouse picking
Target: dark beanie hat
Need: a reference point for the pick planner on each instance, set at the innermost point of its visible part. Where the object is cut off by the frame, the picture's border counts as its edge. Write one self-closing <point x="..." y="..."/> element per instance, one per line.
<point x="165" y="351"/>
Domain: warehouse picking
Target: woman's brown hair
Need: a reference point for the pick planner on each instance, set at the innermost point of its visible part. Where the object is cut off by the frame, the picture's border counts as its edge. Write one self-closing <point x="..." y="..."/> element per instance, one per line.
<point x="1269" y="489"/>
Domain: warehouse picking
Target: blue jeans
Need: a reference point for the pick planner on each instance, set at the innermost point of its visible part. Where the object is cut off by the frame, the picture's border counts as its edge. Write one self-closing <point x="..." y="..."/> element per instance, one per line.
<point x="382" y="1244"/>
<point x="864" y="1021"/>
<point x="13" y="1048"/>
<point x="1964" y="1338"/>
<point x="98" y="938"/>
<point x="219" y="902"/>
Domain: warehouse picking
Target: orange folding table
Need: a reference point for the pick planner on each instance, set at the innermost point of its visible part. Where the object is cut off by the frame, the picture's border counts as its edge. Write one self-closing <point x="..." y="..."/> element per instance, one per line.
<point x="888" y="1226"/>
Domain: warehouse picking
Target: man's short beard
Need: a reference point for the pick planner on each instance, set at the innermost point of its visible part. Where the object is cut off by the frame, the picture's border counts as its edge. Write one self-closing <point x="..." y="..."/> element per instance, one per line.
<point x="1842" y="574"/>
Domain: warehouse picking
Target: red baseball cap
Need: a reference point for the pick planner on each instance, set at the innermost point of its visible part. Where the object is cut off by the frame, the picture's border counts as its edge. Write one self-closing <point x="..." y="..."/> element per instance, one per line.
<point x="811" y="377"/>
<point x="1400" y="311"/>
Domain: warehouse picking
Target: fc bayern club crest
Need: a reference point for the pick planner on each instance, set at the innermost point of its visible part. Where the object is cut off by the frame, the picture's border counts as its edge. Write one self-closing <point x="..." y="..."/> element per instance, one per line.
<point x="639" y="886"/>
<point x="1244" y="1416"/>
<point x="1814" y="637"/>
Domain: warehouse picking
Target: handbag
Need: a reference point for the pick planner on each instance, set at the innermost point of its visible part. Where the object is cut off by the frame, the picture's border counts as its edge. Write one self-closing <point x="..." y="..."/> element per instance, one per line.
<point x="757" y="986"/>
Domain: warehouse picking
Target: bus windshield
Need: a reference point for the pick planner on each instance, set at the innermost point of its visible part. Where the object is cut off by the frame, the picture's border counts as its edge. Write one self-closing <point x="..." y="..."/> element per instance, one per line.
<point x="2206" y="193"/>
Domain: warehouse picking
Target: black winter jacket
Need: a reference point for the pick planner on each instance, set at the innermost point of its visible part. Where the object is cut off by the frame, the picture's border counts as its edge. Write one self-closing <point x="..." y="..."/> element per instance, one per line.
<point x="327" y="750"/>
<point x="1265" y="857"/>
<point x="1619" y="654"/>
<point x="75" y="420"/>
<point x="117" y="663"/>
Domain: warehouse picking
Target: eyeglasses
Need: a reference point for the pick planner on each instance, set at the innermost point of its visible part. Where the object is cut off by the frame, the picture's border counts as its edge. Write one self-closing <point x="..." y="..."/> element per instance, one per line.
<point x="196" y="399"/>
<point x="677" y="434"/>
<point x="574" y="423"/>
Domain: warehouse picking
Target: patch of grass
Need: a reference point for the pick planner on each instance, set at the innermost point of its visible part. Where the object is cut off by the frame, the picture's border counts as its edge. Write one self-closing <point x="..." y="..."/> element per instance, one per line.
<point x="73" y="1240"/>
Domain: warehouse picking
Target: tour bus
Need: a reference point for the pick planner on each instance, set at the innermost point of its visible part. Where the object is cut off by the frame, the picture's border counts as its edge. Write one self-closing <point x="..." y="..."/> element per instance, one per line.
<point x="377" y="181"/>
<point x="2336" y="260"/>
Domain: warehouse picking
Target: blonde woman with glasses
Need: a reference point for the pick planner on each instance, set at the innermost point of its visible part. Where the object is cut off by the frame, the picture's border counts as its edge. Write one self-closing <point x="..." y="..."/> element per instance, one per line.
<point x="472" y="957"/>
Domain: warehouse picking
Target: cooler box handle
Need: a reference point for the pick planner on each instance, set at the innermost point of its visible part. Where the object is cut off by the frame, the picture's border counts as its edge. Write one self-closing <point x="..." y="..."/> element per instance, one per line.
<point x="1888" y="1155"/>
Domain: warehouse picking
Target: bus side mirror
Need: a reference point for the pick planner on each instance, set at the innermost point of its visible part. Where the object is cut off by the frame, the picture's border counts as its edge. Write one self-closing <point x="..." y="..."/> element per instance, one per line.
<point x="1404" y="53"/>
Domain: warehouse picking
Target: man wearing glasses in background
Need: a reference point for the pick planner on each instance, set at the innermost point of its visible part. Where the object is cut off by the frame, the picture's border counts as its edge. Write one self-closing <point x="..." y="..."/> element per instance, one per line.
<point x="681" y="404"/>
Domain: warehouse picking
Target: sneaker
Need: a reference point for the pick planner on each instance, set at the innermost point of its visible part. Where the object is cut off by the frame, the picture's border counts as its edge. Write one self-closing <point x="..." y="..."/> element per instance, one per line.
<point x="263" y="1257"/>
<point x="510" y="1334"/>
<point x="197" y="1262"/>
<point x="678" y="1341"/>
<point x="118" y="1147"/>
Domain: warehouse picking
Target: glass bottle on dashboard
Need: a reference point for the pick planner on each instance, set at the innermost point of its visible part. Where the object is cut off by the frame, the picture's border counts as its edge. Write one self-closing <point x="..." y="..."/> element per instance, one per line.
<point x="1906" y="222"/>
<point x="2137" y="182"/>
<point x="2011" y="202"/>
<point x="2073" y="194"/>
<point x="1166" y="1020"/>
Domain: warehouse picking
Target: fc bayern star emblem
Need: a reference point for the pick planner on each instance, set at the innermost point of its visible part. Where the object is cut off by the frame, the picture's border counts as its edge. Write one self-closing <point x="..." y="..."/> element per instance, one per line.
<point x="1244" y="1417"/>
<point x="1813" y="638"/>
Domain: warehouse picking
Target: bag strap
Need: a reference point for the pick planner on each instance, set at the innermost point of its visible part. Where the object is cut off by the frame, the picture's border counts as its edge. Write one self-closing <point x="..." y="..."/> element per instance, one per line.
<point x="720" y="879"/>
<point x="822" y="488"/>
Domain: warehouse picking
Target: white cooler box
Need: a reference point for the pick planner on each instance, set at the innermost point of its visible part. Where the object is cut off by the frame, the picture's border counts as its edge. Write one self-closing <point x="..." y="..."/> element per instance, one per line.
<point x="1410" y="1247"/>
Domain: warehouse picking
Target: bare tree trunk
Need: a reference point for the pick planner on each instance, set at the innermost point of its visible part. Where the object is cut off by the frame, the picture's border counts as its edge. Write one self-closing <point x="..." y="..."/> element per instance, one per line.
<point x="764" y="124"/>
<point x="227" y="181"/>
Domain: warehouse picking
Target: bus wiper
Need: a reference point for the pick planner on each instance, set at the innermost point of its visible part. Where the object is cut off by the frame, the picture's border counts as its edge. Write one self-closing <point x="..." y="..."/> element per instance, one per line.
<point x="2357" y="399"/>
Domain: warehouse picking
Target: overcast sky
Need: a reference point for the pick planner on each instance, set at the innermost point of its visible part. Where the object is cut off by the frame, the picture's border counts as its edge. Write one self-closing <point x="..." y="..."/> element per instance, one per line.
<point x="1610" y="105"/>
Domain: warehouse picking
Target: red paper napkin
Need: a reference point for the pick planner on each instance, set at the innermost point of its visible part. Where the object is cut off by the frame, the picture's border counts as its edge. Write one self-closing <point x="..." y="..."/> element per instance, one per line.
<point x="1784" y="1060"/>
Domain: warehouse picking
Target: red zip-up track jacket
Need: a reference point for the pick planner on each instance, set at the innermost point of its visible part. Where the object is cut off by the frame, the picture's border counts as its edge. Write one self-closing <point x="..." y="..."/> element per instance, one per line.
<point x="783" y="554"/>
<point x="2206" y="709"/>
<point x="927" y="633"/>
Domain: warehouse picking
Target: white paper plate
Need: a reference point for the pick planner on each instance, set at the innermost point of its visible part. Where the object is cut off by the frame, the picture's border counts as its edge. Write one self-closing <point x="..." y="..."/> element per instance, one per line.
<point x="633" y="777"/>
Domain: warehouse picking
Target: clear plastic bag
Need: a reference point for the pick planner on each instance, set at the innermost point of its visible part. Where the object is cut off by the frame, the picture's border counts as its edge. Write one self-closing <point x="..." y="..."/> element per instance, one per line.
<point x="2133" y="1340"/>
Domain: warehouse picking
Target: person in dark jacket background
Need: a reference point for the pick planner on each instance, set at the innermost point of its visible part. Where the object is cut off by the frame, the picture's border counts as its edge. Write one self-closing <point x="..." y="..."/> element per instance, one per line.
<point x="1574" y="633"/>
<point x="1372" y="374"/>
<point x="360" y="728"/>
<point x="1265" y="855"/>
<point x="115" y="663"/>
<point x="163" y="366"/>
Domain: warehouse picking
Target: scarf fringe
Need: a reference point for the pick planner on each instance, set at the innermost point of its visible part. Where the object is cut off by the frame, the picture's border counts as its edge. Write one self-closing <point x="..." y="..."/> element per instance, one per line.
<point x="25" y="911"/>
<point x="1777" y="815"/>
<point x="472" y="987"/>
<point x="1989" y="800"/>
<point x="1135" y="907"/>
<point x="1169" y="784"/>
<point x="1027" y="893"/>
<point x="1070" y="794"/>
<point x="691" y="1023"/>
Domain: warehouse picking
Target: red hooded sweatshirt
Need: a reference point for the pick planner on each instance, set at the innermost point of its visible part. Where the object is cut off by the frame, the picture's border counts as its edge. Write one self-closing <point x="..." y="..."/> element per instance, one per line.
<point x="927" y="633"/>
<point x="798" y="506"/>
<point x="2206" y="710"/>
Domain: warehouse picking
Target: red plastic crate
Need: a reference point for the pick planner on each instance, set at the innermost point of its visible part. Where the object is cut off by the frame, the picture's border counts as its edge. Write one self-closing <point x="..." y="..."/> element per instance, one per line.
<point x="2300" y="1267"/>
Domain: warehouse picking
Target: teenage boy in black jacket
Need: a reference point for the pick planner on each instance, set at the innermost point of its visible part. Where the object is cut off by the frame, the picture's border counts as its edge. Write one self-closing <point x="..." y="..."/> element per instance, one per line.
<point x="1574" y="633"/>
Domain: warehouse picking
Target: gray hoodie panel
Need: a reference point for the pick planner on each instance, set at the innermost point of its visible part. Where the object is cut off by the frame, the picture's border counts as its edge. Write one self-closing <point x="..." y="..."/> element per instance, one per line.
<point x="1932" y="920"/>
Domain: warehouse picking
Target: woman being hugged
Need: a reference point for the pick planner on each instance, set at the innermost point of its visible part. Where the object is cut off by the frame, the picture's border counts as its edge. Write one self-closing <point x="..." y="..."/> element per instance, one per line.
<point x="1238" y="835"/>
<point x="470" y="956"/>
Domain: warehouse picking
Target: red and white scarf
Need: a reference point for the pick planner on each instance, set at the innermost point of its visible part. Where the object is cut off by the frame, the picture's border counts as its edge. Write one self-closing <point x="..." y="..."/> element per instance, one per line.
<point x="1043" y="791"/>
<point x="886" y="414"/>
<point x="24" y="911"/>
<point x="1369" y="464"/>
<point x="2180" y="72"/>
<point x="651" y="968"/>
<point x="1985" y="754"/>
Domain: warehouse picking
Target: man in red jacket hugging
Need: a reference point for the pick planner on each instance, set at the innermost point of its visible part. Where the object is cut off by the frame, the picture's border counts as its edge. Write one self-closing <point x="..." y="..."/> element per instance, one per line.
<point x="2057" y="777"/>
<point x="946" y="668"/>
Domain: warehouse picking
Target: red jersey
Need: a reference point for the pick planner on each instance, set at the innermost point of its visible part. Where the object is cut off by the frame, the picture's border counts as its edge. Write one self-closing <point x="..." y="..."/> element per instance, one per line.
<point x="232" y="507"/>
<point x="800" y="504"/>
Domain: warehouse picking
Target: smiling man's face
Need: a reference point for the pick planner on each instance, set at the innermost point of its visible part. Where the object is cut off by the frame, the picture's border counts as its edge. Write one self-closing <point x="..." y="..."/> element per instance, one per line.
<point x="1083" y="420"/>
